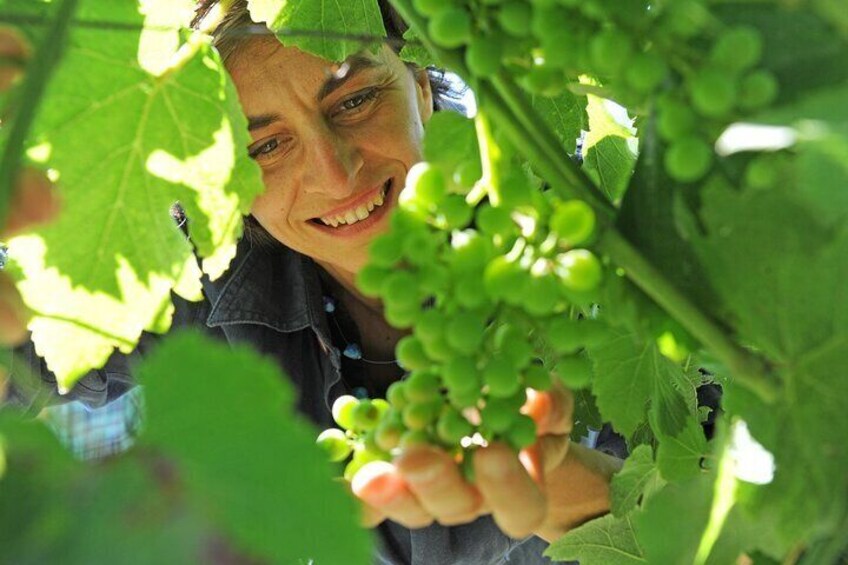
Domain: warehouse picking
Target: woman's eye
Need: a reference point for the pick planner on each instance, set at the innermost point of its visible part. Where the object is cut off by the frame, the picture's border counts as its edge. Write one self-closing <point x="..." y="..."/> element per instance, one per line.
<point x="357" y="100"/>
<point x="264" y="148"/>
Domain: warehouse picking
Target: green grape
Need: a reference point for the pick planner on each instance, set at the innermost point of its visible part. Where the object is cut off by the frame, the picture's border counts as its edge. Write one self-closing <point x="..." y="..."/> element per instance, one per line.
<point x="470" y="252"/>
<point x="464" y="332"/>
<point x="461" y="399"/>
<point x="388" y="433"/>
<point x="688" y="159"/>
<point x="515" y="17"/>
<point x="454" y="213"/>
<point x="450" y="28"/>
<point x="433" y="279"/>
<point x="685" y="18"/>
<point x="365" y="415"/>
<point x="713" y="92"/>
<point x="515" y="190"/>
<point x="401" y="290"/>
<point x="438" y="348"/>
<point x="501" y="378"/>
<point x="483" y="56"/>
<point x="412" y="438"/>
<point x="422" y="386"/>
<point x="467" y="173"/>
<point x="467" y="291"/>
<point x="579" y="270"/>
<point x="460" y="374"/>
<point x="646" y="72"/>
<point x="396" y="395"/>
<point x="430" y="326"/>
<point x="737" y="49"/>
<point x="360" y="459"/>
<point x="419" y="415"/>
<point x="343" y="411"/>
<point x="420" y="248"/>
<point x="497" y="415"/>
<point x="543" y="295"/>
<point x="575" y="371"/>
<point x="334" y="442"/>
<point x="546" y="80"/>
<point x="564" y="335"/>
<point x="411" y="355"/>
<point x="382" y="407"/>
<point x="452" y="426"/>
<point x="371" y="280"/>
<point x="537" y="378"/>
<point x="675" y="119"/>
<point x="573" y="222"/>
<point x="386" y="250"/>
<point x="522" y="432"/>
<point x="610" y="51"/>
<point x="401" y="316"/>
<point x="757" y="90"/>
<point x="466" y="466"/>
<point x="426" y="184"/>
<point x="547" y="21"/>
<point x="763" y="172"/>
<point x="512" y="344"/>
<point x="495" y="221"/>
<point x="430" y="8"/>
<point x="505" y="280"/>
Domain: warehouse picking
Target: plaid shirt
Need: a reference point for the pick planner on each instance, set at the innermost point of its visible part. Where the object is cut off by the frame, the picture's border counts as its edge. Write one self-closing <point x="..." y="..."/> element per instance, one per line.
<point x="95" y="433"/>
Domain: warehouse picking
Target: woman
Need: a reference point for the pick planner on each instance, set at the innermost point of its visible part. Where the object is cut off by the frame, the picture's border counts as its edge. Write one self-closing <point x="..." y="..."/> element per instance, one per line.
<point x="334" y="143"/>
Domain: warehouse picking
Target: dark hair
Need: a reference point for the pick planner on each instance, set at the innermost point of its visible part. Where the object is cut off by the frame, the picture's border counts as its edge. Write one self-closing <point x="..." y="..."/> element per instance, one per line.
<point x="230" y="34"/>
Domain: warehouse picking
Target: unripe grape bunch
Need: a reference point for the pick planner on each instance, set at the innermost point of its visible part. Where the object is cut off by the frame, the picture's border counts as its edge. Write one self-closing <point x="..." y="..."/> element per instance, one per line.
<point x="497" y="300"/>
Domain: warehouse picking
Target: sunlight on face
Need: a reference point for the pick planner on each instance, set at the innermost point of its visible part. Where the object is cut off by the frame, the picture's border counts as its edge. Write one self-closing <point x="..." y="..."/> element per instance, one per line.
<point x="334" y="148"/>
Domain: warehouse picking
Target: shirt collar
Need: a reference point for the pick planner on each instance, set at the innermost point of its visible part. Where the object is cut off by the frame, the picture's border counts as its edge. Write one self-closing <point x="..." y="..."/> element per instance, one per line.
<point x="269" y="285"/>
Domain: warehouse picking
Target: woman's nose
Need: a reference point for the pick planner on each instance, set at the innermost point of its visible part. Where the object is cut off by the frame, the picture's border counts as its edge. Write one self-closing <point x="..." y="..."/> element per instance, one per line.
<point x="332" y="165"/>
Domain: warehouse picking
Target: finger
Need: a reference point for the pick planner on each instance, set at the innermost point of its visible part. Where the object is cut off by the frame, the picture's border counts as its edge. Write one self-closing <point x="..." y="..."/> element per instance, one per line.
<point x="435" y="479"/>
<point x="543" y="456"/>
<point x="370" y="517"/>
<point x="13" y="53"/>
<point x="380" y="485"/>
<point x="518" y="505"/>
<point x="551" y="410"/>
<point x="35" y="202"/>
<point x="13" y="314"/>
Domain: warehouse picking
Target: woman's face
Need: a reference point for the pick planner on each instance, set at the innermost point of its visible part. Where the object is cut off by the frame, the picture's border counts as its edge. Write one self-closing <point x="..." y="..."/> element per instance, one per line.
<point x="332" y="145"/>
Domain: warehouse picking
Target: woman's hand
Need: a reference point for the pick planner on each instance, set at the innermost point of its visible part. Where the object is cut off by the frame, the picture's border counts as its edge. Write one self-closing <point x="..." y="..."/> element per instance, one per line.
<point x="545" y="490"/>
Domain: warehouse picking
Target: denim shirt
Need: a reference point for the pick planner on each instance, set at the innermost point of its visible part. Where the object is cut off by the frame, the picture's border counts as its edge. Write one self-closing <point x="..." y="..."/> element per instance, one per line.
<point x="271" y="298"/>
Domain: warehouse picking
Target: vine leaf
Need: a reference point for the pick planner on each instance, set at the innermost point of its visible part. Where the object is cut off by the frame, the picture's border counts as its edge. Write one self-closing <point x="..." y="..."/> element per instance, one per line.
<point x="328" y="26"/>
<point x="126" y="144"/>
<point x="637" y="479"/>
<point x="262" y="476"/>
<point x="633" y="377"/>
<point x="609" y="148"/>
<point x="414" y="52"/>
<point x="679" y="456"/>
<point x="604" y="541"/>
<point x="450" y="140"/>
<point x="566" y="116"/>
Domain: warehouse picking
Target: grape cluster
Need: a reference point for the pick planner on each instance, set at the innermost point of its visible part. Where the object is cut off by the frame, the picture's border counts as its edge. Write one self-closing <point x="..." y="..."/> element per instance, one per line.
<point x="670" y="58"/>
<point x="493" y="295"/>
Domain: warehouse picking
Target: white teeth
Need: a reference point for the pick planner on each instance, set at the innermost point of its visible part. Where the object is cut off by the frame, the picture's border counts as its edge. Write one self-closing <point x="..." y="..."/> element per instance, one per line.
<point x="359" y="213"/>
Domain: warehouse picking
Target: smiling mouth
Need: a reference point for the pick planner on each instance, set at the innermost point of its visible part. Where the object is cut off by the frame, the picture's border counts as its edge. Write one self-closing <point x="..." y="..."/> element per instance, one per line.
<point x="357" y="214"/>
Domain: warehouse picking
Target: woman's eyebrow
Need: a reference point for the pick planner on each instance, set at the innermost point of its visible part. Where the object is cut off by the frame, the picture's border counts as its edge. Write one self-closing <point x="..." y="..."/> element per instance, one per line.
<point x="347" y="70"/>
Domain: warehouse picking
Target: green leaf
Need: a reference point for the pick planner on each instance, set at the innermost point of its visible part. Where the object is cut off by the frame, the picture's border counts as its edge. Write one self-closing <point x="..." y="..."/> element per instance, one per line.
<point x="637" y="479"/>
<point x="781" y="269"/>
<point x="126" y="144"/>
<point x="330" y="30"/>
<point x="679" y="456"/>
<point x="609" y="149"/>
<point x="628" y="375"/>
<point x="258" y="471"/>
<point x="449" y="140"/>
<point x="414" y="52"/>
<point x="565" y="115"/>
<point x="670" y="527"/>
<point x="604" y="541"/>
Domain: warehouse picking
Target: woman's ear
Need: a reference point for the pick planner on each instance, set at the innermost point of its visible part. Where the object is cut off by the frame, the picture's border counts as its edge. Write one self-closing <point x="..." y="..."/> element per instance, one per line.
<point x="424" y="92"/>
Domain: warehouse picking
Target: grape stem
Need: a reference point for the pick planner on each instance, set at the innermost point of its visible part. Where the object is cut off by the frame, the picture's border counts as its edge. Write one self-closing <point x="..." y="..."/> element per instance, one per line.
<point x="510" y="109"/>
